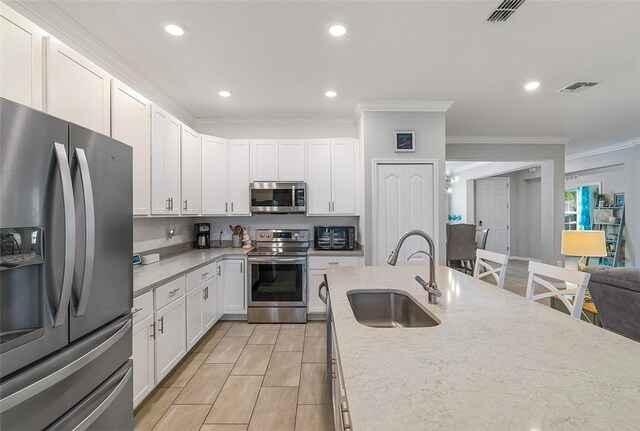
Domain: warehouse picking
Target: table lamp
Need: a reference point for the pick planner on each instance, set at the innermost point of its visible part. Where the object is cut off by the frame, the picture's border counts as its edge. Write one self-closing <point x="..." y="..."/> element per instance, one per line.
<point x="583" y="243"/>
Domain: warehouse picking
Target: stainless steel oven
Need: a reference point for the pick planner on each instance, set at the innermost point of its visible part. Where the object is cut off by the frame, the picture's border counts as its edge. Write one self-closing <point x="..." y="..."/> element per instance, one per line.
<point x="278" y="276"/>
<point x="276" y="197"/>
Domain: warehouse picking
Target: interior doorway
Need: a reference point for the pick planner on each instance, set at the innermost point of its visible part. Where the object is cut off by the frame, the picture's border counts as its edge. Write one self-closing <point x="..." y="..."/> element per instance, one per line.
<point x="493" y="212"/>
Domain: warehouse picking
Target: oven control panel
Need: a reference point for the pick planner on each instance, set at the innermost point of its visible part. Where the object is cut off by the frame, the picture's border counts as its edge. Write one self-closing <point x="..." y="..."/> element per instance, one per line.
<point x="282" y="235"/>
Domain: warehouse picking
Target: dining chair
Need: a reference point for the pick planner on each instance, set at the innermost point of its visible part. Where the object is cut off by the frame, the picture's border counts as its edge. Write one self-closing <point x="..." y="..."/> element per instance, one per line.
<point x="481" y="238"/>
<point x="461" y="246"/>
<point x="499" y="272"/>
<point x="575" y="282"/>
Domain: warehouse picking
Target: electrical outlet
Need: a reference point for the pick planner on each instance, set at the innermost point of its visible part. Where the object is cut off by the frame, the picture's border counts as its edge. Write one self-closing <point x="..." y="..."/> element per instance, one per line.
<point x="171" y="232"/>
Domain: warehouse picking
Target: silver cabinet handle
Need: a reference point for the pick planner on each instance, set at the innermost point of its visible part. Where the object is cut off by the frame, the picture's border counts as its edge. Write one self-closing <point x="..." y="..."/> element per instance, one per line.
<point x="90" y="232"/>
<point x="153" y="330"/>
<point x="69" y="233"/>
<point x="329" y="206"/>
<point x="204" y="274"/>
<point x="226" y="206"/>
<point x="137" y="310"/>
<point x="334" y="263"/>
<point x="346" y="420"/>
<point x="161" y="328"/>
<point x="172" y="291"/>
<point x="333" y="206"/>
<point x="320" y="287"/>
<point x="185" y="205"/>
<point x="168" y="208"/>
<point x="219" y="270"/>
<point x="241" y="267"/>
<point x="34" y="389"/>
<point x="231" y="206"/>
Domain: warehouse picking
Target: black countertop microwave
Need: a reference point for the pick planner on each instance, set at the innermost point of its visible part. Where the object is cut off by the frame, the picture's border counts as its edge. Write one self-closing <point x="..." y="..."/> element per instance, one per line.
<point x="334" y="238"/>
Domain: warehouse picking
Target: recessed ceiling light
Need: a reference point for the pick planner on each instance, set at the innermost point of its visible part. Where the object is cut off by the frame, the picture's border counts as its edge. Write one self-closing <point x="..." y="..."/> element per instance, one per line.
<point x="530" y="86"/>
<point x="330" y="93"/>
<point x="337" y="30"/>
<point x="174" y="29"/>
<point x="224" y="93"/>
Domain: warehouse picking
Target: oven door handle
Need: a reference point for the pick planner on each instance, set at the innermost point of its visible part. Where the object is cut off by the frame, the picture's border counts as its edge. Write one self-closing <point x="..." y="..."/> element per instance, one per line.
<point x="278" y="260"/>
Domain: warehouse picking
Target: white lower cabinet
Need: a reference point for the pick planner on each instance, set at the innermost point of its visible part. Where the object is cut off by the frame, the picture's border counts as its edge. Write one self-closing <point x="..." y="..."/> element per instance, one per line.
<point x="209" y="305"/>
<point x="195" y="311"/>
<point x="314" y="303"/>
<point x="143" y="361"/>
<point x="341" y="415"/>
<point x="171" y="343"/>
<point x="234" y="286"/>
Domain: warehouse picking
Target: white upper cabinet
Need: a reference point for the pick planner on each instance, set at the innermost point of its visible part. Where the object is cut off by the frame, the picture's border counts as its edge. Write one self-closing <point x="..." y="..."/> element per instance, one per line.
<point x="273" y="160"/>
<point x="77" y="90"/>
<point x="215" y="185"/>
<point x="332" y="173"/>
<point x="190" y="168"/>
<point x="239" y="177"/>
<point x="131" y="125"/>
<point x="264" y="160"/>
<point x="21" y="69"/>
<point x="165" y="163"/>
<point x="291" y="160"/>
<point x="319" y="177"/>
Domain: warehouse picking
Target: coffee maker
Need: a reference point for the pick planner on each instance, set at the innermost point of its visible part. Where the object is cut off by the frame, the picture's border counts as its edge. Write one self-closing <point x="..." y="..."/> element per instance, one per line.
<point x="201" y="234"/>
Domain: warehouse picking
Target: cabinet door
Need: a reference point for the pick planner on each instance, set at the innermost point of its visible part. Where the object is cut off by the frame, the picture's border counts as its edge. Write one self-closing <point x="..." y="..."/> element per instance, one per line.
<point x="209" y="308"/>
<point x="239" y="178"/>
<point x="190" y="178"/>
<point x="165" y="163"/>
<point x="170" y="337"/>
<point x="215" y="188"/>
<point x="143" y="362"/>
<point x="195" y="304"/>
<point x="234" y="286"/>
<point x="291" y="160"/>
<point x="21" y="45"/>
<point x="343" y="177"/>
<point x="220" y="290"/>
<point x="130" y="123"/>
<point x="264" y="160"/>
<point x="315" y="304"/>
<point x="77" y="90"/>
<point x="319" y="177"/>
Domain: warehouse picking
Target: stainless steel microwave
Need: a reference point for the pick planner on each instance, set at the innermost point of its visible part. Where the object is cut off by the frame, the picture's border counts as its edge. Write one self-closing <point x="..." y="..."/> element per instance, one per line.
<point x="276" y="197"/>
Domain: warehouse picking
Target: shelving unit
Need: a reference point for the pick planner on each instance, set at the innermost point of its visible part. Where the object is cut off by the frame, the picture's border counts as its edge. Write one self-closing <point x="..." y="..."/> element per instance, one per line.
<point x="614" y="235"/>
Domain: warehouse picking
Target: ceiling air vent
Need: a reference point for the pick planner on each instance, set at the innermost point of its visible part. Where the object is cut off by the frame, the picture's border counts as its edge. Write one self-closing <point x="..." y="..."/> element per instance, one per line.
<point x="569" y="178"/>
<point x="577" y="87"/>
<point x="505" y="10"/>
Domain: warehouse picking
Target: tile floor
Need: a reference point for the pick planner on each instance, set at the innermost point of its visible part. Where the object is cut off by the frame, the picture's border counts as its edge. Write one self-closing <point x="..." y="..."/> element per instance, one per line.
<point x="244" y="376"/>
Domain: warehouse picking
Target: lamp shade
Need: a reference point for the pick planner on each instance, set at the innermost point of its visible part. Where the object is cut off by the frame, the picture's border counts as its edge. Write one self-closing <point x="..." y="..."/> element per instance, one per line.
<point x="589" y="243"/>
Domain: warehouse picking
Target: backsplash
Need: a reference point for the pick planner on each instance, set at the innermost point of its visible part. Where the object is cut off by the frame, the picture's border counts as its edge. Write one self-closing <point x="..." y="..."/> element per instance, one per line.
<point x="151" y="233"/>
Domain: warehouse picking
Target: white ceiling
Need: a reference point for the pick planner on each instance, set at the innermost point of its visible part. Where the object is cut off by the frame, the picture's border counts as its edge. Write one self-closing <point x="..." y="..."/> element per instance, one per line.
<point x="277" y="59"/>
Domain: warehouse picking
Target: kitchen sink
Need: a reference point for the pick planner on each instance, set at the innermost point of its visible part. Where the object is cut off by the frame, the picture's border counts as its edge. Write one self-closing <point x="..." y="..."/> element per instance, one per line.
<point x="389" y="309"/>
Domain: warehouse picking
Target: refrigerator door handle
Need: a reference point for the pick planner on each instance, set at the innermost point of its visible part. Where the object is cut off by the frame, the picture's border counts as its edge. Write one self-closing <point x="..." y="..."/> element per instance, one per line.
<point x="69" y="233"/>
<point x="90" y="232"/>
<point x="35" y="388"/>
<point x="91" y="418"/>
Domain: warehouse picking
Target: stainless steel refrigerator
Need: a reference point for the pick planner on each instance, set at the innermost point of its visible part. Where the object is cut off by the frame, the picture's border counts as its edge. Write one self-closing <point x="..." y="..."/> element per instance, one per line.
<point x="66" y="277"/>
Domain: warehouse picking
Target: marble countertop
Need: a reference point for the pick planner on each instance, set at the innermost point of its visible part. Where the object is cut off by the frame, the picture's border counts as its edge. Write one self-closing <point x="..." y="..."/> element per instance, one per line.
<point x="148" y="277"/>
<point x="356" y="253"/>
<point x="497" y="361"/>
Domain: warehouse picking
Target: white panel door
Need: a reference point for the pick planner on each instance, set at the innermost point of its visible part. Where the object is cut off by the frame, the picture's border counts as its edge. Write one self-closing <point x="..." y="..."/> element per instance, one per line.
<point x="315" y="304"/>
<point x="239" y="177"/>
<point x="165" y="163"/>
<point x="215" y="186"/>
<point x="319" y="177"/>
<point x="131" y="117"/>
<point x="292" y="160"/>
<point x="264" y="160"/>
<point x="210" y="304"/>
<point x="343" y="177"/>
<point x="195" y="315"/>
<point x="418" y="207"/>
<point x="389" y="211"/>
<point x="492" y="203"/>
<point x="234" y="286"/>
<point x="143" y="362"/>
<point x="21" y="69"/>
<point x="190" y="171"/>
<point x="170" y="337"/>
<point x="77" y="90"/>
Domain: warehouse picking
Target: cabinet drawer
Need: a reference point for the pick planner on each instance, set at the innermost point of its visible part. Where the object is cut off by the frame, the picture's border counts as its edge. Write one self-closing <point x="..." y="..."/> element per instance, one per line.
<point x="142" y="307"/>
<point x="200" y="275"/>
<point x="324" y="262"/>
<point x="169" y="292"/>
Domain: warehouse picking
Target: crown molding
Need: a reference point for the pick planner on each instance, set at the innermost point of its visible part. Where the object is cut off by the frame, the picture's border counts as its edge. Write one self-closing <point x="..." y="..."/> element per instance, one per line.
<point x="506" y="140"/>
<point x="605" y="149"/>
<point x="274" y="121"/>
<point x="64" y="28"/>
<point x="401" y="106"/>
<point x="469" y="167"/>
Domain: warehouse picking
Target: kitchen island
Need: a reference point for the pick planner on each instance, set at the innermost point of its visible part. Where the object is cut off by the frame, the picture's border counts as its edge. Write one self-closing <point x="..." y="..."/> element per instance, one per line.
<point x="496" y="361"/>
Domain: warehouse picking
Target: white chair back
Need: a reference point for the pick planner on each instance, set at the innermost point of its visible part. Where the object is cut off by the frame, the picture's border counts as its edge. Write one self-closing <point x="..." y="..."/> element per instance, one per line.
<point x="499" y="273"/>
<point x="575" y="282"/>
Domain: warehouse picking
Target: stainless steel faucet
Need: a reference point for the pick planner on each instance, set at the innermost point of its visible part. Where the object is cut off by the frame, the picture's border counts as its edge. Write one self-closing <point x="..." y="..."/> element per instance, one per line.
<point x="430" y="286"/>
